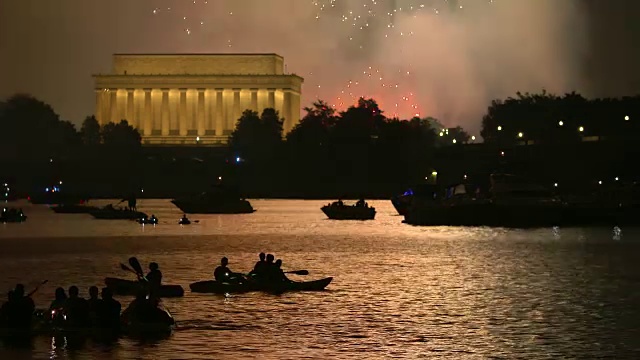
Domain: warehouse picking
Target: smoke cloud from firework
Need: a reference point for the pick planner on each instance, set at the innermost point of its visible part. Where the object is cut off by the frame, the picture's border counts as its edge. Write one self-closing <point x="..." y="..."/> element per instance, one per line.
<point x="446" y="59"/>
<point x="442" y="58"/>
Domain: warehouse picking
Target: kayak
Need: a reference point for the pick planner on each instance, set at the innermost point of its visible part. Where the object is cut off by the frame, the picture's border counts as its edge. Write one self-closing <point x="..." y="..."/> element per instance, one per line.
<point x="128" y="287"/>
<point x="344" y="212"/>
<point x="163" y="323"/>
<point x="214" y="287"/>
<point x="160" y="327"/>
<point x="41" y="325"/>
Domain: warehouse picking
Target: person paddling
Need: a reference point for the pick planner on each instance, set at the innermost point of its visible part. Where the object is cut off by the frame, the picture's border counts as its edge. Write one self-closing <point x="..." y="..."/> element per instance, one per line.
<point x="57" y="305"/>
<point x="224" y="275"/>
<point x="260" y="267"/>
<point x="109" y="311"/>
<point x="7" y="309"/>
<point x="94" y="304"/>
<point x="154" y="277"/>
<point x="276" y="274"/>
<point x="139" y="310"/>
<point x="76" y="308"/>
<point x="24" y="307"/>
<point x="59" y="298"/>
<point x="269" y="263"/>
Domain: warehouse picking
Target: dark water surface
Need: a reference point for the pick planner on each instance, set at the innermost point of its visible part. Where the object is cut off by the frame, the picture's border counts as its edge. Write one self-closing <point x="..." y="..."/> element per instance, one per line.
<point x="398" y="291"/>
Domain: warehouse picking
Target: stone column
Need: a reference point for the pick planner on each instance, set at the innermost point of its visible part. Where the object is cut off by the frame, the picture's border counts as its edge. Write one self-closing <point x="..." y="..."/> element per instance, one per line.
<point x="236" y="111"/>
<point x="271" y="98"/>
<point x="287" y="108"/>
<point x="219" y="114"/>
<point x="245" y="100"/>
<point x="183" y="112"/>
<point x="113" y="95"/>
<point x="254" y="100"/>
<point x="139" y="108"/>
<point x="174" y="109"/>
<point x="148" y="119"/>
<point x="208" y="110"/>
<point x="122" y="106"/>
<point x="164" y="113"/>
<point x="99" y="114"/>
<point x="279" y="98"/>
<point x="106" y="107"/>
<point x="295" y="112"/>
<point x="131" y="116"/>
<point x="200" y="124"/>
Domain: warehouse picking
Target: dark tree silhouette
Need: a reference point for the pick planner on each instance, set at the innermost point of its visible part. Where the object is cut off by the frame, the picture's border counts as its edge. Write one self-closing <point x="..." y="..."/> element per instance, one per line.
<point x="121" y="137"/>
<point x="309" y="144"/>
<point x="31" y="130"/>
<point x="257" y="137"/>
<point x="90" y="131"/>
<point x="550" y="119"/>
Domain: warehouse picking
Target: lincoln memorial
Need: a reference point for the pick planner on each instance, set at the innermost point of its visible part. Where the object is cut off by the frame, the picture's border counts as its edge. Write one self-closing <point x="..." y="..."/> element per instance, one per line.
<point x="194" y="98"/>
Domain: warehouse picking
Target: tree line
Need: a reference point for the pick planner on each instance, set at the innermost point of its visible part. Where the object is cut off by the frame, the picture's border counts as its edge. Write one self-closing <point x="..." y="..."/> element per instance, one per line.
<point x="31" y="131"/>
<point x="38" y="148"/>
<point x="546" y="118"/>
<point x="358" y="151"/>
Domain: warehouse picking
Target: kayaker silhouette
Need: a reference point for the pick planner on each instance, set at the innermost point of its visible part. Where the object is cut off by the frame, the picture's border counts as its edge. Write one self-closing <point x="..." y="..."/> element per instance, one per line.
<point x="223" y="274"/>
<point x="76" y="309"/>
<point x="154" y="276"/>
<point x="260" y="267"/>
<point x="110" y="310"/>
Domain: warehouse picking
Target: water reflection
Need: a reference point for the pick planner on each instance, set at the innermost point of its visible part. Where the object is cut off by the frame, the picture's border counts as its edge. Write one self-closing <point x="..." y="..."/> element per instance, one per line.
<point x="399" y="291"/>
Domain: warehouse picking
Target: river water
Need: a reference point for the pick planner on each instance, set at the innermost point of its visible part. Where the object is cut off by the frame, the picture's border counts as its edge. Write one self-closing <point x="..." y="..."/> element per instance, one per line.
<point x="398" y="291"/>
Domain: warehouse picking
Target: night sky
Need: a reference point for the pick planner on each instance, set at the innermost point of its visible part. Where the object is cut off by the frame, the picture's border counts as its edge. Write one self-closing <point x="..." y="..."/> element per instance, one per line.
<point x="438" y="58"/>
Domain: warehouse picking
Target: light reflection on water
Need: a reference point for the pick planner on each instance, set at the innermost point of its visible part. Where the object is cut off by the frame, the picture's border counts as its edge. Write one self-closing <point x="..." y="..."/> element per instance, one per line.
<point x="398" y="291"/>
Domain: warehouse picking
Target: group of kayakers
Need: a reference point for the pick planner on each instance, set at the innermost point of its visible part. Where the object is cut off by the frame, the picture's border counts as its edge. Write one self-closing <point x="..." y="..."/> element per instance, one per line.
<point x="74" y="311"/>
<point x="360" y="203"/>
<point x="70" y="310"/>
<point x="78" y="312"/>
<point x="266" y="270"/>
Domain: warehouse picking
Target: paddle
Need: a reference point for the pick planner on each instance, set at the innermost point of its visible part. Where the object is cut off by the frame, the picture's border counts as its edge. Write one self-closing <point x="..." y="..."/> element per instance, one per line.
<point x="126" y="268"/>
<point x="37" y="288"/>
<point x="135" y="264"/>
<point x="298" y="272"/>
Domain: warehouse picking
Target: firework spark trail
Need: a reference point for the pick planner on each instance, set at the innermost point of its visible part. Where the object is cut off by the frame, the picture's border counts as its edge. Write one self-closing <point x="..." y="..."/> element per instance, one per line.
<point x="441" y="58"/>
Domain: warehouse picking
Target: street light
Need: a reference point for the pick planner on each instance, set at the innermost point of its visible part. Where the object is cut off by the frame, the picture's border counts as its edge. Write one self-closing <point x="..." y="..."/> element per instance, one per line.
<point x="581" y="129"/>
<point x="454" y="141"/>
<point x="473" y="138"/>
<point x="520" y="134"/>
<point x="560" y="123"/>
<point x="626" y="118"/>
<point x="499" y="128"/>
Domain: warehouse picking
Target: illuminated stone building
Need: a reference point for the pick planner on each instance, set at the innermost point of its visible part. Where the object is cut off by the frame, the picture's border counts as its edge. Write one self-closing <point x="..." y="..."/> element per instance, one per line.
<point x="175" y="99"/>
